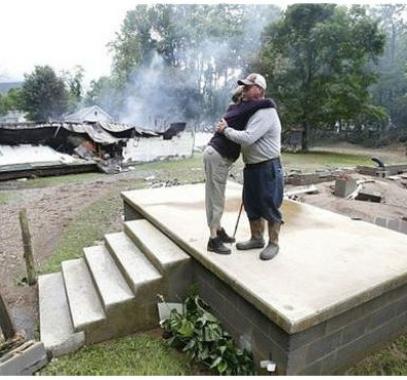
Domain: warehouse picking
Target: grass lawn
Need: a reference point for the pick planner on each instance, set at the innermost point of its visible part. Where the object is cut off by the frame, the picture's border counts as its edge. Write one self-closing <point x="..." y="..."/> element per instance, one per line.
<point x="5" y="197"/>
<point x="306" y="161"/>
<point x="316" y="159"/>
<point x="89" y="226"/>
<point x="137" y="355"/>
<point x="391" y="360"/>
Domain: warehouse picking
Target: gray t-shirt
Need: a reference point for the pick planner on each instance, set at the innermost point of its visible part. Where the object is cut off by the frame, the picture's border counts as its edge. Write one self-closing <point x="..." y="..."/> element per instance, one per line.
<point x="261" y="140"/>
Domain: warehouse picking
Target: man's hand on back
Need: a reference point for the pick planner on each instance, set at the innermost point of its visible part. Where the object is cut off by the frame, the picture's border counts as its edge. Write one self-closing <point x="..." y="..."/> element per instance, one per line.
<point x="220" y="127"/>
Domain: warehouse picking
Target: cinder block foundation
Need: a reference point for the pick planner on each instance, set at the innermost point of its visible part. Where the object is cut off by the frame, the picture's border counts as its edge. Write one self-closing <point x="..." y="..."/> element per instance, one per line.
<point x="324" y="349"/>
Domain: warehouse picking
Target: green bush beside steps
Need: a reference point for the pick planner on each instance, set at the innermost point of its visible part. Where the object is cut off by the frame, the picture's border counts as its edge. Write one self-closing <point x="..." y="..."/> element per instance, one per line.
<point x="198" y="333"/>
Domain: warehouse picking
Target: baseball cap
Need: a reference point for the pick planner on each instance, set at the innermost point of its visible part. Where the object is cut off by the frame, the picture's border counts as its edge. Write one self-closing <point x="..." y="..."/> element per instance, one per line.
<point x="253" y="79"/>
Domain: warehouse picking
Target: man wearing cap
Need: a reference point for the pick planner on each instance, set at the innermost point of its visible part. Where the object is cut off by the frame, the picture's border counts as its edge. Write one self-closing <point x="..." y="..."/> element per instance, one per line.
<point x="263" y="181"/>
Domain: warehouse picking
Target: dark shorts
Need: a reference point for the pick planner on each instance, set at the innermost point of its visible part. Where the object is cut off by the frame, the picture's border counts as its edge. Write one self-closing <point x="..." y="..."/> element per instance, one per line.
<point x="263" y="190"/>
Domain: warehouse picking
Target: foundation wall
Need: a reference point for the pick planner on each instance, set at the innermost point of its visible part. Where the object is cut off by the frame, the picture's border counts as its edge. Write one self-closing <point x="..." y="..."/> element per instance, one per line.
<point x="325" y="349"/>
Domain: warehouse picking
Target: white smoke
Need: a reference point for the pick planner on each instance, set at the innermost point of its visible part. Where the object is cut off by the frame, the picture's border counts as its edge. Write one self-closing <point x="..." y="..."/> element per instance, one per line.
<point x="157" y="95"/>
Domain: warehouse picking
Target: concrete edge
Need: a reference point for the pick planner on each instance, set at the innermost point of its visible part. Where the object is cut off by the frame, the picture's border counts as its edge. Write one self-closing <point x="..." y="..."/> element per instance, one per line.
<point x="337" y="309"/>
<point x="74" y="343"/>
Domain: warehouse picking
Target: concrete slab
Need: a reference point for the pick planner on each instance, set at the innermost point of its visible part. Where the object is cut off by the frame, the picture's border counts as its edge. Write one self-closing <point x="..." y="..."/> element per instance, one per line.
<point x="56" y="329"/>
<point x="328" y="263"/>
<point x="84" y="303"/>
<point x="24" y="360"/>
<point x="345" y="186"/>
<point x="110" y="283"/>
<point x="142" y="277"/>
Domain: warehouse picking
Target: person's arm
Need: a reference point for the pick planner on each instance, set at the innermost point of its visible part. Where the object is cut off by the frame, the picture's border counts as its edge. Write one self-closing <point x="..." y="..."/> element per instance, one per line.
<point x="257" y="126"/>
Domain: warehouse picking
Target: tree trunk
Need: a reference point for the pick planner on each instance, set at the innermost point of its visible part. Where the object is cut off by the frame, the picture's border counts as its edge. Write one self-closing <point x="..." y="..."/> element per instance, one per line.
<point x="305" y="137"/>
<point x="28" y="251"/>
<point x="393" y="42"/>
<point x="5" y="321"/>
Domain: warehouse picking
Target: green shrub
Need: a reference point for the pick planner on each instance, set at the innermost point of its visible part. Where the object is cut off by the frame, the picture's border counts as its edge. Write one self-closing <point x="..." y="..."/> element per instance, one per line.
<point x="197" y="332"/>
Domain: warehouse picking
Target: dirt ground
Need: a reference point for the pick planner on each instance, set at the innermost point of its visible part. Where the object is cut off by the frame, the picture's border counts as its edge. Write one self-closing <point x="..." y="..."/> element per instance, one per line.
<point x="392" y="206"/>
<point x="50" y="209"/>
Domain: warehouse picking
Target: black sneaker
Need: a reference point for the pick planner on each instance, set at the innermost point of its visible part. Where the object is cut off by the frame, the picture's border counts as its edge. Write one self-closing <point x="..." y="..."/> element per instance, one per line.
<point x="224" y="236"/>
<point x="216" y="245"/>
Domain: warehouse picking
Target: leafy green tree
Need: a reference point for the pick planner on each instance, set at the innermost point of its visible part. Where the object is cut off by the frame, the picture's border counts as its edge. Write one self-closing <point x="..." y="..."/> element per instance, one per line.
<point x="391" y="88"/>
<point x="10" y="101"/>
<point x="134" y="44"/>
<point x="105" y="93"/>
<point x="315" y="59"/>
<point x="44" y="95"/>
<point x="2" y="107"/>
<point x="73" y="80"/>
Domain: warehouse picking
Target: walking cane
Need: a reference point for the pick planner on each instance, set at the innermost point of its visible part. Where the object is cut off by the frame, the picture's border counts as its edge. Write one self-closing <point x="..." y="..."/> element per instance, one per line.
<point x="238" y="218"/>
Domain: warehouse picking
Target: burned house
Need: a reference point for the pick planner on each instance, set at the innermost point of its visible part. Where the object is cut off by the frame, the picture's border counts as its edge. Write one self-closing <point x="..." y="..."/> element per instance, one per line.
<point x="91" y="114"/>
<point x="104" y="143"/>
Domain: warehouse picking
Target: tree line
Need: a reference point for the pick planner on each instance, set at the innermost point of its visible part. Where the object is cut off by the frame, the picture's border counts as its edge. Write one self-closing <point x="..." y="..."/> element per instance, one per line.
<point x="328" y="67"/>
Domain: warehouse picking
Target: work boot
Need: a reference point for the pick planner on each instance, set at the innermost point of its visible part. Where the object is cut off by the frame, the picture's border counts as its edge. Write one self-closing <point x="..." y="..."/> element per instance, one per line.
<point x="256" y="240"/>
<point x="224" y="236"/>
<point x="272" y="247"/>
<point x="216" y="245"/>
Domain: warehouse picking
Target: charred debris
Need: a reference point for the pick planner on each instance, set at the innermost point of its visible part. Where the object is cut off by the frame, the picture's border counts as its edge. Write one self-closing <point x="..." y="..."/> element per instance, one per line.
<point x="93" y="145"/>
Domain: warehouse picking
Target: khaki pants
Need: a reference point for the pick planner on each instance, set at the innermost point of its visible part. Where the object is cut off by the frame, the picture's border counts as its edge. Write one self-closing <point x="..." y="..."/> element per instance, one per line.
<point x="216" y="173"/>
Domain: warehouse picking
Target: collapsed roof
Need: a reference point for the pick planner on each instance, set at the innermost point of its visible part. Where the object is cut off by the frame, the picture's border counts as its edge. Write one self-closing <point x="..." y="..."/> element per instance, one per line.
<point x="103" y="133"/>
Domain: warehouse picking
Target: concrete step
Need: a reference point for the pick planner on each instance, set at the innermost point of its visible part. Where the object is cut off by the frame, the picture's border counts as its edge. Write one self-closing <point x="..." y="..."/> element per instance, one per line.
<point x="84" y="303"/>
<point x="161" y="250"/>
<point x="172" y="262"/>
<point x="142" y="277"/>
<point x="124" y="315"/>
<point x="56" y="329"/>
<point x="109" y="282"/>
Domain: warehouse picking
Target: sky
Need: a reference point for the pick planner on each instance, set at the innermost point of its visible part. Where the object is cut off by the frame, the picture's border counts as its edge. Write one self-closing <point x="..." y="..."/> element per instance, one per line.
<point x="63" y="34"/>
<point x="59" y="33"/>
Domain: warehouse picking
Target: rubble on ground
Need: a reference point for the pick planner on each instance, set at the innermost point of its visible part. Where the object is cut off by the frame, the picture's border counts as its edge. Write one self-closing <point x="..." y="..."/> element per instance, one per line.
<point x="87" y="146"/>
<point x="369" y="199"/>
<point x="23" y="360"/>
